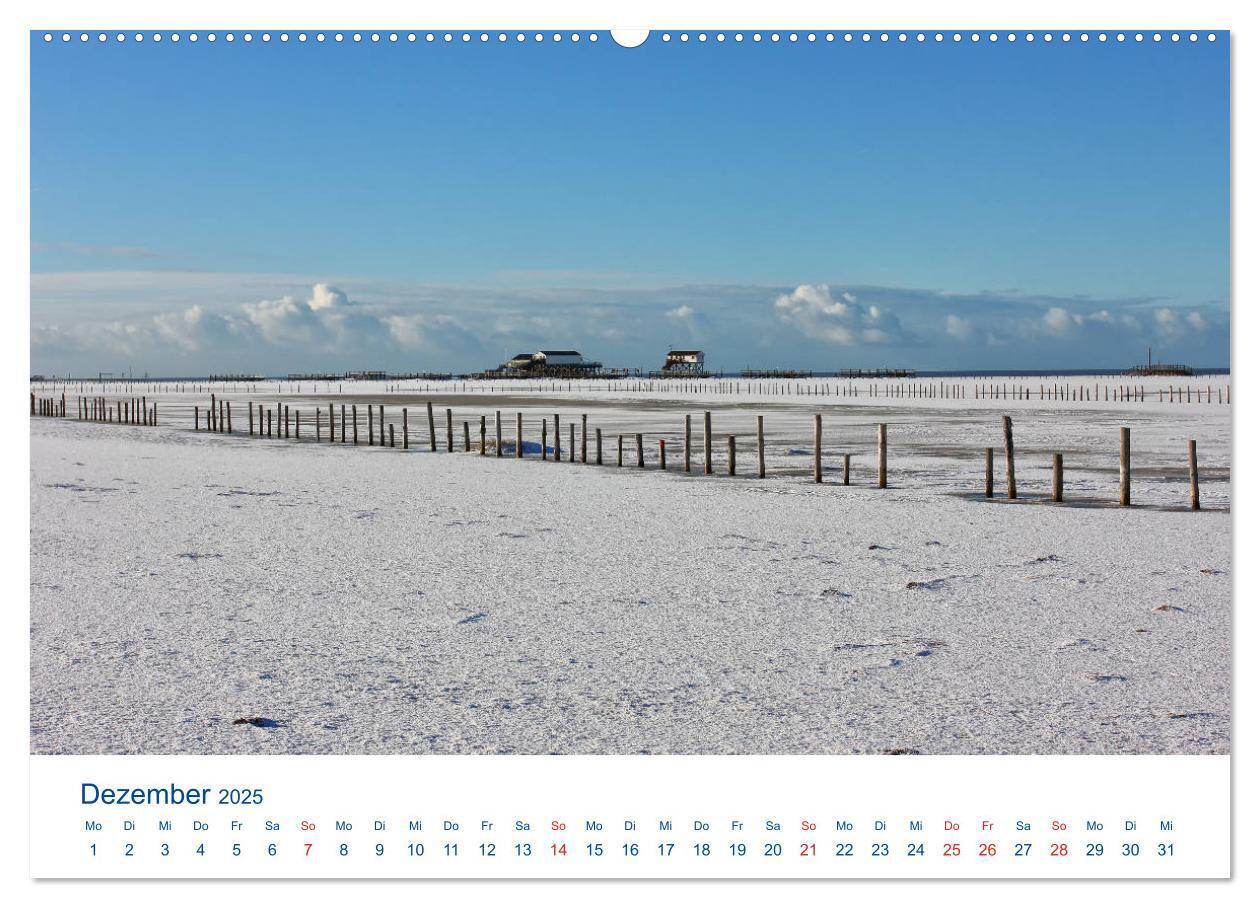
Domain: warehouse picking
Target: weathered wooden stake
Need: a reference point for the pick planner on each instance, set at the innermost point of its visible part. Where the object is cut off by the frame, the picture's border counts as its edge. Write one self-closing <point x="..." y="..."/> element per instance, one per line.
<point x="1008" y="445"/>
<point x="297" y="424"/>
<point x="638" y="447"/>
<point x="450" y="432"/>
<point x="883" y="455"/>
<point x="661" y="443"/>
<point x="572" y="442"/>
<point x="988" y="472"/>
<point x="1124" y="466"/>
<point x="708" y="443"/>
<point x="817" y="447"/>
<point x="406" y="431"/>
<point x="483" y="436"/>
<point x="687" y="444"/>
<point x="1056" y="478"/>
<point x="761" y="450"/>
<point x="354" y="419"/>
<point x="599" y="446"/>
<point x="520" y="436"/>
<point x="467" y="438"/>
<point x="556" y="427"/>
<point x="250" y="407"/>
<point x="730" y="455"/>
<point x="371" y="431"/>
<point x="433" y="431"/>
<point x="391" y="434"/>
<point x="583" y="438"/>
<point x="197" y="419"/>
<point x="498" y="434"/>
<point x="620" y="448"/>
<point x="1194" y="475"/>
<point x="544" y="438"/>
<point x="846" y="469"/>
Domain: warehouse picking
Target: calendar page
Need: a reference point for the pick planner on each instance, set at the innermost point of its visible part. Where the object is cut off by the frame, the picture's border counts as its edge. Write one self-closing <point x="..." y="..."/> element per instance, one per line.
<point x="568" y="452"/>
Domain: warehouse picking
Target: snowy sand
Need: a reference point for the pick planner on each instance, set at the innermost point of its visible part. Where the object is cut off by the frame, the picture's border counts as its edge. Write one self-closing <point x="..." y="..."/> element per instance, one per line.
<point x="376" y="601"/>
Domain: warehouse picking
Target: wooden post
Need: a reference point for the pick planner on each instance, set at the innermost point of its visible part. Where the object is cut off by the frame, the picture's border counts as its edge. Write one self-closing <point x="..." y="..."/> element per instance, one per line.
<point x="391" y="434"/>
<point x="1008" y="445"/>
<point x="467" y="439"/>
<point x="450" y="432"/>
<point x="196" y="419"/>
<point x="297" y="423"/>
<point x="286" y="420"/>
<point x="730" y="455"/>
<point x="620" y="449"/>
<point x="988" y="472"/>
<point x="883" y="455"/>
<point x="817" y="447"/>
<point x="599" y="445"/>
<point x="638" y="447"/>
<point x="1194" y="475"/>
<point x="687" y="444"/>
<point x="319" y="414"/>
<point x="520" y="436"/>
<point x="406" y="431"/>
<point x="846" y="469"/>
<point x="381" y="422"/>
<point x="572" y="443"/>
<point x="354" y="419"/>
<point x="371" y="433"/>
<point x="433" y="431"/>
<point x="251" y="417"/>
<point x="708" y="443"/>
<point x="662" y="447"/>
<point x="1124" y="466"/>
<point x="155" y="413"/>
<point x="1056" y="478"/>
<point x="583" y="438"/>
<point x="761" y="450"/>
<point x="556" y="426"/>
<point x="544" y="438"/>
<point x="483" y="436"/>
<point x="498" y="434"/>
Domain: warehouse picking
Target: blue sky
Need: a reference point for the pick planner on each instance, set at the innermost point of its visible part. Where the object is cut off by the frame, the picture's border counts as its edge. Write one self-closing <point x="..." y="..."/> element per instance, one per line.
<point x="278" y="207"/>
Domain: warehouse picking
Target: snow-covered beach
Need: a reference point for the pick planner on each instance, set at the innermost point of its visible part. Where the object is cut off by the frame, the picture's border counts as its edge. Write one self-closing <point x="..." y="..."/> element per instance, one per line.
<point x="371" y="600"/>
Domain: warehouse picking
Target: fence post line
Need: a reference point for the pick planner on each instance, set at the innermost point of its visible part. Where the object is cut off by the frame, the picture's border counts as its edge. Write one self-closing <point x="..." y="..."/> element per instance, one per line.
<point x="433" y="431"/>
<point x="761" y="450"/>
<point x="883" y="455"/>
<point x="1008" y="445"/>
<point x="1194" y="475"/>
<point x="687" y="443"/>
<point x="708" y="443"/>
<point x="520" y="436"/>
<point x="1124" y="466"/>
<point x="817" y="447"/>
<point x="988" y="472"/>
<point x="1056" y="478"/>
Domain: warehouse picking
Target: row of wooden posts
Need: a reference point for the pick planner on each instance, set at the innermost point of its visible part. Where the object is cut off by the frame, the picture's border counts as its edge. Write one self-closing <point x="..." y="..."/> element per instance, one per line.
<point x="1056" y="469"/>
<point x="135" y="411"/>
<point x="285" y="422"/>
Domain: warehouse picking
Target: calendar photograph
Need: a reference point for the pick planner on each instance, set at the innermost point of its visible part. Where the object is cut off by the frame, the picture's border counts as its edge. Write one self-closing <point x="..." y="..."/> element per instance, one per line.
<point x="532" y="393"/>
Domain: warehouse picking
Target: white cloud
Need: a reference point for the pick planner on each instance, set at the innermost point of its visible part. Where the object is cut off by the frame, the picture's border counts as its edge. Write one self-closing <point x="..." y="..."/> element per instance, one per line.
<point x="812" y="310"/>
<point x="681" y="313"/>
<point x="958" y="328"/>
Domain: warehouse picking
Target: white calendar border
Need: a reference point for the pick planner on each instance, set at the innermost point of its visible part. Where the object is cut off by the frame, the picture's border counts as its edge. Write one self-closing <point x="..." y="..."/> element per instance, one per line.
<point x="657" y="13"/>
